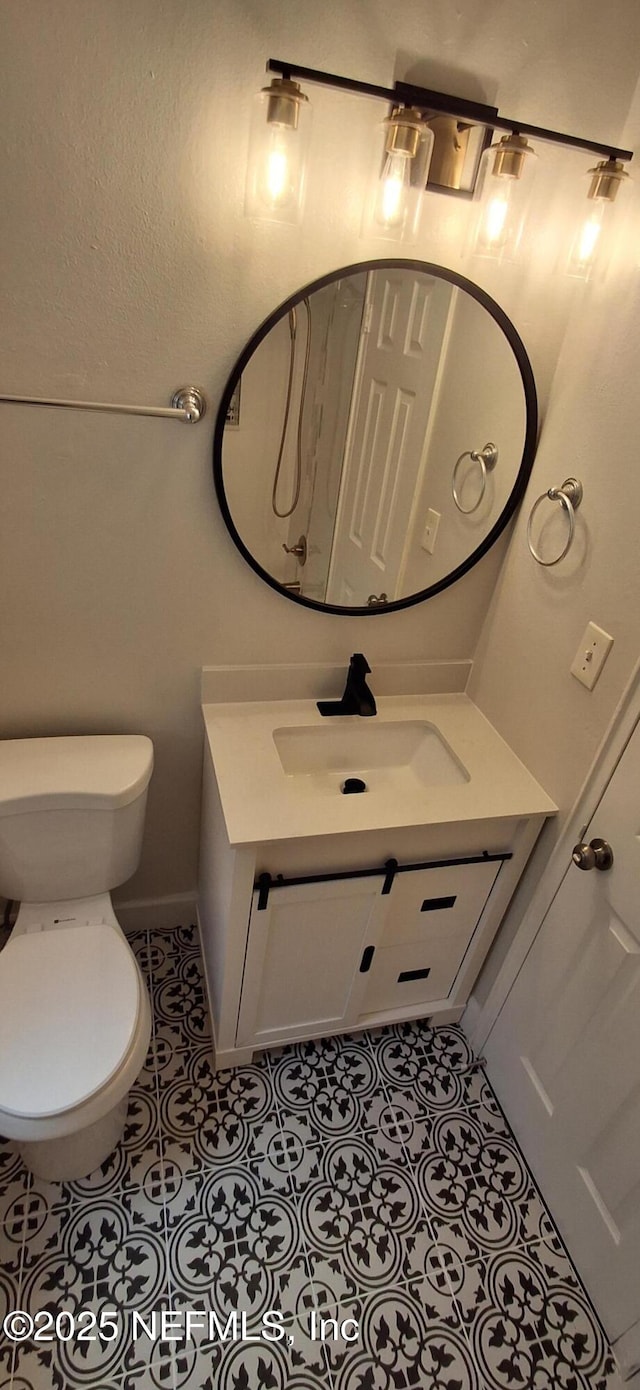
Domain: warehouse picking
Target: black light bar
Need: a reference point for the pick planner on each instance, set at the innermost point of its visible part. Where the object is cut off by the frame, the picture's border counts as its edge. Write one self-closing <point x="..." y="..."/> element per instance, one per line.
<point x="474" y="112"/>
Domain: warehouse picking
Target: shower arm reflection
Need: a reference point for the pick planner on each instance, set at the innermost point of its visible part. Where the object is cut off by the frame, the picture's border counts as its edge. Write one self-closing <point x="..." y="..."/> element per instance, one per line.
<point x="293" y="330"/>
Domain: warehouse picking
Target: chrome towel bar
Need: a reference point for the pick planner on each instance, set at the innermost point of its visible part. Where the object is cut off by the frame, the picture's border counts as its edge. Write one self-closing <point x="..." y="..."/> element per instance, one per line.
<point x="188" y="403"/>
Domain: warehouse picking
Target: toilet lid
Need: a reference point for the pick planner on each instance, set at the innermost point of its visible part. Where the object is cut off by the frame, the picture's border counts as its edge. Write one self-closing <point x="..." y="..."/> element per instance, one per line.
<point x="69" y="1002"/>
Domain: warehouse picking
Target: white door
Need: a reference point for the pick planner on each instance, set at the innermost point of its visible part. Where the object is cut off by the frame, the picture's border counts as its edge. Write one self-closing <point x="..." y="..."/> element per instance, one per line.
<point x="564" y="1056"/>
<point x="404" y="328"/>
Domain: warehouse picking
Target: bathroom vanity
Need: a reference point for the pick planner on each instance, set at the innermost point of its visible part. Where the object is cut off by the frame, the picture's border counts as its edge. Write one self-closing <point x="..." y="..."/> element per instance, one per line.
<point x="322" y="912"/>
<point x="354" y="870"/>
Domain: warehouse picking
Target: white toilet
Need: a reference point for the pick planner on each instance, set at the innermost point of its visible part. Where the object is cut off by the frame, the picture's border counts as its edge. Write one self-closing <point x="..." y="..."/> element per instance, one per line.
<point x="75" y="1021"/>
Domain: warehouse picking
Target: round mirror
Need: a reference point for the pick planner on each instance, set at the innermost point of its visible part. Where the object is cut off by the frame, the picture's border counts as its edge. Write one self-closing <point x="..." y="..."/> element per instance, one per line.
<point x="375" y="436"/>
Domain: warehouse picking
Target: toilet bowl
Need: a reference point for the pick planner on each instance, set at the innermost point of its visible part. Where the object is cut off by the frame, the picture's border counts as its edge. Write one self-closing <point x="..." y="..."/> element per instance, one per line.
<point x="75" y="1026"/>
<point x="75" y="1021"/>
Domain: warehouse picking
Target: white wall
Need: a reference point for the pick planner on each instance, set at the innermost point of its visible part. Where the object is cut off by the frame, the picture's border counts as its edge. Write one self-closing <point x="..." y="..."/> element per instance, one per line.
<point x="128" y="269"/>
<point x="521" y="675"/>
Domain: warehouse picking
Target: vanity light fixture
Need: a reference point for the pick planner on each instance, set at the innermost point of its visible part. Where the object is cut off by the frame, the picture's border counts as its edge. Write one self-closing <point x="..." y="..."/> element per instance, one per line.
<point x="275" y="175"/>
<point x="588" y="243"/>
<point x="276" y="165"/>
<point x="505" y="182"/>
<point x="399" y="176"/>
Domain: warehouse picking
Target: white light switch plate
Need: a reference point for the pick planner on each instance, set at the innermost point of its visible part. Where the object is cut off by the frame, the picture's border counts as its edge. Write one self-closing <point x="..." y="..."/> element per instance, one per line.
<point x="591" y="655"/>
<point x="430" y="533"/>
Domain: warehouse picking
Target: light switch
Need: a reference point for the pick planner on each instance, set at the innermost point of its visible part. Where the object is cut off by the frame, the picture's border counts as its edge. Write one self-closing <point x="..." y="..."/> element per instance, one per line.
<point x="430" y="533"/>
<point x="591" y="655"/>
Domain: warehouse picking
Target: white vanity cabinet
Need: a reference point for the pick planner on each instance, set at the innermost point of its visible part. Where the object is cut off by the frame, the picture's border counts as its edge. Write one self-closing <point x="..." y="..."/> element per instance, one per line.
<point x="321" y="913"/>
<point x="303" y="939"/>
<point x="326" y="953"/>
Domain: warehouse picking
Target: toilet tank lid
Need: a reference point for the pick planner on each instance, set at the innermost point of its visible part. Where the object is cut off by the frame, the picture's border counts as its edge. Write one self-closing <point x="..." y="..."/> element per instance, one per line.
<point x="99" y="772"/>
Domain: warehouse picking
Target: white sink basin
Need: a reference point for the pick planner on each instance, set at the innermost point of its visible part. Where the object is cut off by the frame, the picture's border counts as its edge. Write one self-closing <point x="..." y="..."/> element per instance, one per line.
<point x="353" y="747"/>
<point x="425" y="759"/>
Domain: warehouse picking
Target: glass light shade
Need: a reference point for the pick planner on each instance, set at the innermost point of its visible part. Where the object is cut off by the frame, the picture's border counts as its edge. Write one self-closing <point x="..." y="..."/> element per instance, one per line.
<point x="398" y="178"/>
<point x="503" y="198"/>
<point x="276" y="166"/>
<point x="592" y="238"/>
<point x="587" y="242"/>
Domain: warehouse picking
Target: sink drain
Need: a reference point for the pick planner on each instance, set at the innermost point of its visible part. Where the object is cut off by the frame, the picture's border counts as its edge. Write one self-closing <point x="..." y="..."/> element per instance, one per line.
<point x="352" y="786"/>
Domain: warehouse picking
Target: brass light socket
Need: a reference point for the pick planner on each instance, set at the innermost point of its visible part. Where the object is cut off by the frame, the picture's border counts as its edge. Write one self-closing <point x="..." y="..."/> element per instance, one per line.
<point x="608" y="174"/>
<point x="285" y="98"/>
<point x="509" y="156"/>
<point x="404" y="128"/>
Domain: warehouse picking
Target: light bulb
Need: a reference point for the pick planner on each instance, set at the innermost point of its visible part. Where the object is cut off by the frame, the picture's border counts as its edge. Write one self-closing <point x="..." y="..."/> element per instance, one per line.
<point x="504" y="189"/>
<point x="276" y="164"/>
<point x="276" y="184"/>
<point x="394" y="202"/>
<point x="584" y="250"/>
<point x="588" y="248"/>
<point x="394" y="191"/>
<point x="493" y="229"/>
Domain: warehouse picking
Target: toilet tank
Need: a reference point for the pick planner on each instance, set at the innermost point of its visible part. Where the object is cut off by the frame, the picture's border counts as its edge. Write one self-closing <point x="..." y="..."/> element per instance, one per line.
<point x="71" y="814"/>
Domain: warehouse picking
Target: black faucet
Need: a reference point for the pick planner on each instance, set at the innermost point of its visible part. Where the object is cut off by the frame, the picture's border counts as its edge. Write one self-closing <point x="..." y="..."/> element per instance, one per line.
<point x="357" y="698"/>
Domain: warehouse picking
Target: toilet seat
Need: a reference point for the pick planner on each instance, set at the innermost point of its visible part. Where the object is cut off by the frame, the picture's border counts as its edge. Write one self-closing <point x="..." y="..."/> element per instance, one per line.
<point x="70" y="1001"/>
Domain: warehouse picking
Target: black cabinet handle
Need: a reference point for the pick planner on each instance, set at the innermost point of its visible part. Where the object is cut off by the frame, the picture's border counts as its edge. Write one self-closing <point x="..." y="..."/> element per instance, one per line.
<point x="367" y="957"/>
<point x="390" y="871"/>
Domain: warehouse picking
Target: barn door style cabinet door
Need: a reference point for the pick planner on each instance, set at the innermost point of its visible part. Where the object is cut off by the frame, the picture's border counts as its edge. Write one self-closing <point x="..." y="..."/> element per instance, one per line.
<point x="307" y="956"/>
<point x="324" y="953"/>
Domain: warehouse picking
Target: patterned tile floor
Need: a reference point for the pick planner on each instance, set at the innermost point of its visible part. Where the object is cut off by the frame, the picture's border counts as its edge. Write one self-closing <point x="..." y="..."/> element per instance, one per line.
<point x="369" y="1182"/>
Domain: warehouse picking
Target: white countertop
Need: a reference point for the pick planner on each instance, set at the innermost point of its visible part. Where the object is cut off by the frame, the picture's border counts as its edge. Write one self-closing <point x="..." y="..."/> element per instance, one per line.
<point x="261" y="802"/>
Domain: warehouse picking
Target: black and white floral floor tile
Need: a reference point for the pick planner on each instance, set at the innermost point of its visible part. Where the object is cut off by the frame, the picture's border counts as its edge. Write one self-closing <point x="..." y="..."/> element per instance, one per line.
<point x="409" y="1337"/>
<point x="295" y="1362"/>
<point x="100" y="1255"/>
<point x="209" y="1120"/>
<point x="529" y="1323"/>
<point x="474" y="1184"/>
<point x="235" y="1244"/>
<point x="330" y="1087"/>
<point x="362" y="1198"/>
<point x="361" y="1212"/>
<point x="435" y="1067"/>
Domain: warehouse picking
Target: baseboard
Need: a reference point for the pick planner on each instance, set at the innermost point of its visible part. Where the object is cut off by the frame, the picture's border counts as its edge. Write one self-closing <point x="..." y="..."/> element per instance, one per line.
<point x="176" y="910"/>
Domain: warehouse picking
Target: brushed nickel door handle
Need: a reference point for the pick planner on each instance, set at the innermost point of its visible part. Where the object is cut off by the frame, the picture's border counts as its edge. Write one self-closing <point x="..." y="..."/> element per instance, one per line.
<point x="299" y="550"/>
<point x="596" y="855"/>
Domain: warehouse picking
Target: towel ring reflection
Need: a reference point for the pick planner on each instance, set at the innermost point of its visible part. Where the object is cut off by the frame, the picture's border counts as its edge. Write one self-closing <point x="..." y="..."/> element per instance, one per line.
<point x="569" y="496"/>
<point x="487" y="458"/>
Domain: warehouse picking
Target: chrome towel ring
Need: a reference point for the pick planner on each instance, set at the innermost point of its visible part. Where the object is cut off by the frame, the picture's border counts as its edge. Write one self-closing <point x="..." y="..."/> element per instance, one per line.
<point x="487" y="458"/>
<point x="569" y="496"/>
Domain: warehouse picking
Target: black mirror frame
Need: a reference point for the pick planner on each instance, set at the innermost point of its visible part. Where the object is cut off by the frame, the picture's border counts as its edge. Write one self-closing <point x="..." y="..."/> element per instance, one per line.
<point x="528" y="452"/>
